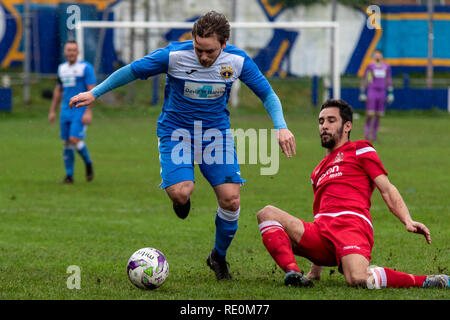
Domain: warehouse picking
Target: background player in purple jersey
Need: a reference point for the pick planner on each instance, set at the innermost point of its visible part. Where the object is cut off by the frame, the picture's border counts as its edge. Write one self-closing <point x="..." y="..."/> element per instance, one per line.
<point x="377" y="80"/>
<point x="200" y="74"/>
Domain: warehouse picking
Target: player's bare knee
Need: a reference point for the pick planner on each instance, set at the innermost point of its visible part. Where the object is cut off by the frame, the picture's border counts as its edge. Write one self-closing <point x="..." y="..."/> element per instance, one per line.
<point x="179" y="197"/>
<point x="266" y="213"/>
<point x="73" y="140"/>
<point x="357" y="280"/>
<point x="180" y="193"/>
<point x="230" y="203"/>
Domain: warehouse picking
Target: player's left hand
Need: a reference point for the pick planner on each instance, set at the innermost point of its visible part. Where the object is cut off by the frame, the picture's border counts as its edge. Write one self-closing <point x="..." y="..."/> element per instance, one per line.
<point x="287" y="142"/>
<point x="419" y="228"/>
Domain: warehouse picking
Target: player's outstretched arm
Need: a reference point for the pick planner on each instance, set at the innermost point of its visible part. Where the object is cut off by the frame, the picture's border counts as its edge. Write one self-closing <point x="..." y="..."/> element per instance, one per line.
<point x="255" y="80"/>
<point x="286" y="139"/>
<point x="116" y="79"/>
<point x="395" y="203"/>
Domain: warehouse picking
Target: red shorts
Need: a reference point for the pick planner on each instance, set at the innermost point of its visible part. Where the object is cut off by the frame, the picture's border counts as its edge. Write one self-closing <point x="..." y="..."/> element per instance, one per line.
<point x="327" y="239"/>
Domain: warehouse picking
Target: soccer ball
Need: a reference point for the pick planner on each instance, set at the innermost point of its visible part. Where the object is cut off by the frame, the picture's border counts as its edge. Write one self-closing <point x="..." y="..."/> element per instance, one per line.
<point x="147" y="268"/>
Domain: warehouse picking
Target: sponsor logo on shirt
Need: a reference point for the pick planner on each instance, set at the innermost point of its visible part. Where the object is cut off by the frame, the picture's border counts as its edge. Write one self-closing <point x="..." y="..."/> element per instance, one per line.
<point x="379" y="73"/>
<point x="226" y="72"/>
<point x="331" y="173"/>
<point x="69" y="81"/>
<point x="351" y="247"/>
<point x="339" y="157"/>
<point x="203" y="91"/>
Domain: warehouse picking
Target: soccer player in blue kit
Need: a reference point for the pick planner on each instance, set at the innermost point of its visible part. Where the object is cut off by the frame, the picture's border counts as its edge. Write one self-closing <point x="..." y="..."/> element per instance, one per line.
<point x="73" y="77"/>
<point x="200" y="73"/>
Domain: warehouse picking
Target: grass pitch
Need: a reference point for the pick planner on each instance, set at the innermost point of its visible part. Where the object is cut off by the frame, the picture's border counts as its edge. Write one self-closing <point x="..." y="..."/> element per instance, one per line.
<point x="47" y="227"/>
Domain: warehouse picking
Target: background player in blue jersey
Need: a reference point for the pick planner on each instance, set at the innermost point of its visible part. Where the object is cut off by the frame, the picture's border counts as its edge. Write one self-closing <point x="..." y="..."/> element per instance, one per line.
<point x="200" y="74"/>
<point x="73" y="77"/>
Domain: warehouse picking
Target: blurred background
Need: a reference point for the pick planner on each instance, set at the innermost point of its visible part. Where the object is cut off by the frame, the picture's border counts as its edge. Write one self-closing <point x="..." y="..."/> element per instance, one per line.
<point x="414" y="36"/>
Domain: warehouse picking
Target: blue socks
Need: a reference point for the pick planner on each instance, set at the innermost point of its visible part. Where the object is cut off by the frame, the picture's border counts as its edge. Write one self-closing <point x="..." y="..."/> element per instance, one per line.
<point x="69" y="160"/>
<point x="69" y="156"/>
<point x="83" y="152"/>
<point x="226" y="227"/>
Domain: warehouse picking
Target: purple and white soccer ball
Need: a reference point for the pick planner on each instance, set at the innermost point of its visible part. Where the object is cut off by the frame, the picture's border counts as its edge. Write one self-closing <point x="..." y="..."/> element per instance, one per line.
<point x="147" y="268"/>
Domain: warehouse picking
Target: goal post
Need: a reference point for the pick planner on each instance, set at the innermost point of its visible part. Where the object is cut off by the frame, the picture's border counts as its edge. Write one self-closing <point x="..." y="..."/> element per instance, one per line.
<point x="293" y="25"/>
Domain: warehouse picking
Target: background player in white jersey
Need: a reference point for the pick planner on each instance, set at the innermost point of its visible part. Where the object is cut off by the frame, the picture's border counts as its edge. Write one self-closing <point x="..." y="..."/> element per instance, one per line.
<point x="200" y="74"/>
<point x="73" y="77"/>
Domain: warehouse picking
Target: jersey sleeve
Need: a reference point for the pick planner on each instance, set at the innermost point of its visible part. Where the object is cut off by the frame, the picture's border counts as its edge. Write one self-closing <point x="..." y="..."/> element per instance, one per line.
<point x="367" y="75"/>
<point x="389" y="77"/>
<point x="58" y="77"/>
<point x="152" y="64"/>
<point x="89" y="75"/>
<point x="254" y="79"/>
<point x="368" y="159"/>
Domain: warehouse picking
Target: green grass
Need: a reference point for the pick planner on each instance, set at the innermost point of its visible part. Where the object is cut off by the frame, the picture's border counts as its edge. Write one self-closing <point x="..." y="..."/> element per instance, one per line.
<point x="47" y="227"/>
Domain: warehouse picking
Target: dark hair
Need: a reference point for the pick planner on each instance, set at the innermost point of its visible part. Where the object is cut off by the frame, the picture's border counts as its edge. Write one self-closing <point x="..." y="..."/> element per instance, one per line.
<point x="377" y="50"/>
<point x="71" y="41"/>
<point x="345" y="110"/>
<point x="212" y="23"/>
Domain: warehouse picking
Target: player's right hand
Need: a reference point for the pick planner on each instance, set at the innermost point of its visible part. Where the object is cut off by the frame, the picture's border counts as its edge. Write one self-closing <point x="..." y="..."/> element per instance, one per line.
<point x="51" y="117"/>
<point x="82" y="99"/>
<point x="87" y="117"/>
<point x="362" y="97"/>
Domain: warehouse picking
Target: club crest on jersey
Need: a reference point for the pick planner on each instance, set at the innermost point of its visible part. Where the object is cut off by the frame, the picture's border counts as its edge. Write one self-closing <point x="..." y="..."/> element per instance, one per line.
<point x="339" y="157"/>
<point x="226" y="72"/>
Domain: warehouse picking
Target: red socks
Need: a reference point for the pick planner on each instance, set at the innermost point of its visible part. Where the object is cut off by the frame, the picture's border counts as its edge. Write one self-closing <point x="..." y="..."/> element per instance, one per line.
<point x="279" y="245"/>
<point x="385" y="277"/>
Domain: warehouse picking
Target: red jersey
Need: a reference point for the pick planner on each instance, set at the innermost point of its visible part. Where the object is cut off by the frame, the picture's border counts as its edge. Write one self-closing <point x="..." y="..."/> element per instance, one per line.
<point x="343" y="180"/>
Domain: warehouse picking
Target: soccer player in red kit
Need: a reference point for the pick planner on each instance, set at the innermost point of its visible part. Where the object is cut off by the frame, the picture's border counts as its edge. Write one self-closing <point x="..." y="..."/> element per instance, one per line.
<point x="342" y="232"/>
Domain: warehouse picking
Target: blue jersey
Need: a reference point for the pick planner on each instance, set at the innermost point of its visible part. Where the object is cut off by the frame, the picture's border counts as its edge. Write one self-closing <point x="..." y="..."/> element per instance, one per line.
<point x="74" y="78"/>
<point x="196" y="93"/>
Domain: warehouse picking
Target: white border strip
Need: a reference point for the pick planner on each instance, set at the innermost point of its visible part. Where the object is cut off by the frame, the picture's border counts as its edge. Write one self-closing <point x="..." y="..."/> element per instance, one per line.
<point x="337" y="214"/>
<point x="364" y="150"/>
<point x="268" y="225"/>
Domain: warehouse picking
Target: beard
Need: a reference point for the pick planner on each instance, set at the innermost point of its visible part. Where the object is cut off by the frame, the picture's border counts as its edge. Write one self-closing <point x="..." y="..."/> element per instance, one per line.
<point x="332" y="139"/>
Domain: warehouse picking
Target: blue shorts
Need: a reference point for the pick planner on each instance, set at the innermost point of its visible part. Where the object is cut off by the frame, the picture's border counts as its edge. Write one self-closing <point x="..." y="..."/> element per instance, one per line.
<point x="215" y="156"/>
<point x="72" y="127"/>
